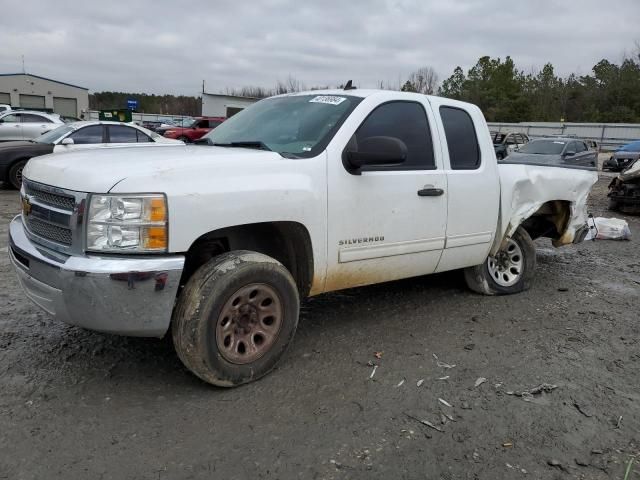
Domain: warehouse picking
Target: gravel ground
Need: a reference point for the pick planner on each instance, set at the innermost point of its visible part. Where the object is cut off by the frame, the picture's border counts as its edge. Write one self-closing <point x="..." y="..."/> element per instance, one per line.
<point x="76" y="404"/>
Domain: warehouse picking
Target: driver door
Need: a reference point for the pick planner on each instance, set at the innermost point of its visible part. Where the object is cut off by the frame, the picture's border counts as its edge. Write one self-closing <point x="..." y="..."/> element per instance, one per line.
<point x="386" y="222"/>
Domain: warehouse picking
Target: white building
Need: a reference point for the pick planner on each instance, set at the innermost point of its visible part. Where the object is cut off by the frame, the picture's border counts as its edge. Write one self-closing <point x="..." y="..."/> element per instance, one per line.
<point x="31" y="91"/>
<point x="218" y="105"/>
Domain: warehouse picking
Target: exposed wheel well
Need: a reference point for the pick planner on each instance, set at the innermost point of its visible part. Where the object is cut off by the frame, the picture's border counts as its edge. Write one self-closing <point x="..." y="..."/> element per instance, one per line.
<point x="287" y="242"/>
<point x="549" y="221"/>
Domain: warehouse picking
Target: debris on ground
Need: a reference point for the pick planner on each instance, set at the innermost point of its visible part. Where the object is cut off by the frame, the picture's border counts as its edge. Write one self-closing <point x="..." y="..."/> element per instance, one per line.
<point x="525" y="394"/>
<point x="556" y="463"/>
<point x="470" y="346"/>
<point x="582" y="409"/>
<point x="445" y="403"/>
<point x="373" y="372"/>
<point x="444" y="378"/>
<point x="619" y="421"/>
<point x="479" y="382"/>
<point x="507" y="444"/>
<point x="424" y="422"/>
<point x="400" y="383"/>
<point x="608" y="229"/>
<point x="443" y="364"/>
<point x="420" y="382"/>
<point x="378" y="355"/>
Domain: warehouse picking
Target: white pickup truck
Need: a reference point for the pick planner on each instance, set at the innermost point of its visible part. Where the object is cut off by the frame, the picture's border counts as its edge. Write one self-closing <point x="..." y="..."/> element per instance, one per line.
<point x="295" y="196"/>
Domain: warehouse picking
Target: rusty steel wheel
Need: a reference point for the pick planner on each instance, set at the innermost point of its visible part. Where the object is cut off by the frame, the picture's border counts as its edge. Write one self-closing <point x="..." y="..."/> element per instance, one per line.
<point x="235" y="318"/>
<point x="249" y="323"/>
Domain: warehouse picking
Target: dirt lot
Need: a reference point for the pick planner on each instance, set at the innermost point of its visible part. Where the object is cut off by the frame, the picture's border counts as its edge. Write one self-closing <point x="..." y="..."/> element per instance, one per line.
<point x="81" y="405"/>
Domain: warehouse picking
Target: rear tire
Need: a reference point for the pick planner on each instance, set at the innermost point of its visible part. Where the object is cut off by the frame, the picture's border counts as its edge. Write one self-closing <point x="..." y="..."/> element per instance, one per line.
<point x="235" y="318"/>
<point x="511" y="271"/>
<point x="15" y="174"/>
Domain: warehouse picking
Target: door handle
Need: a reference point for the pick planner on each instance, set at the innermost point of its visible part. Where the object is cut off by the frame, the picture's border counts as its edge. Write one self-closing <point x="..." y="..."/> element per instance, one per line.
<point x="430" y="192"/>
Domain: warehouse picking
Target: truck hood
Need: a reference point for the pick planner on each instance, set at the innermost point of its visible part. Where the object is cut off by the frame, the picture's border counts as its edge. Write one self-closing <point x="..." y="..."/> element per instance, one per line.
<point x="99" y="170"/>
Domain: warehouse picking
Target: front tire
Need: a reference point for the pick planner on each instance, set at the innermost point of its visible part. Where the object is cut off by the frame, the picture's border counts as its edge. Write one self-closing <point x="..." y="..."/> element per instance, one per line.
<point x="235" y="318"/>
<point x="510" y="271"/>
<point x="15" y="173"/>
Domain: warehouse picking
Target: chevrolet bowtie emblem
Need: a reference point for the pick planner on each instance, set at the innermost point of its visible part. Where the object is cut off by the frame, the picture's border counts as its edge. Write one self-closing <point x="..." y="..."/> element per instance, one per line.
<point x="26" y="206"/>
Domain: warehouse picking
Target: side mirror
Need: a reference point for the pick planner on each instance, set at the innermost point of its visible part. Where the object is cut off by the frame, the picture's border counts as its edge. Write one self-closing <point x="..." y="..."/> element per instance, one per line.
<point x="67" y="141"/>
<point x="569" y="153"/>
<point x="374" y="151"/>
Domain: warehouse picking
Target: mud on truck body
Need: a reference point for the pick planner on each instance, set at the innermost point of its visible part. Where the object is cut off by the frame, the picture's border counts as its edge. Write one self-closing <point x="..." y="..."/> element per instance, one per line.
<point x="294" y="196"/>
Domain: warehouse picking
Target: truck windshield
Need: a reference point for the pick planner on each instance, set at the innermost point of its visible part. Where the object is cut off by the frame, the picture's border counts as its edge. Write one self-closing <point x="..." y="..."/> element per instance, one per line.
<point x="296" y="126"/>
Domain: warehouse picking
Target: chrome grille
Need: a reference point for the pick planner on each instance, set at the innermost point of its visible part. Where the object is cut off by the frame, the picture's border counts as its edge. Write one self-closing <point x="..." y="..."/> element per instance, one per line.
<point x="53" y="216"/>
<point x="60" y="201"/>
<point x="50" y="231"/>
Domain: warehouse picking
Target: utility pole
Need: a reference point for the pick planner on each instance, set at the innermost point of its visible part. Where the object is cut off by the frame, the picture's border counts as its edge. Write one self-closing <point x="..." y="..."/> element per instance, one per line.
<point x="202" y="86"/>
<point x="23" y="70"/>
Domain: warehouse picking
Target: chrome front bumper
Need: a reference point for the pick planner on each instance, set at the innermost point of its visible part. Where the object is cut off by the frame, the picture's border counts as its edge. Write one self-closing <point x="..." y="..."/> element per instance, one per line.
<point x="122" y="295"/>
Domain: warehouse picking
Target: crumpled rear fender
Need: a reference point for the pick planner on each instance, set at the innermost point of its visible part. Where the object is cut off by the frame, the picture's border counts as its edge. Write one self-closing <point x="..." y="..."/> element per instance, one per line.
<point x="526" y="189"/>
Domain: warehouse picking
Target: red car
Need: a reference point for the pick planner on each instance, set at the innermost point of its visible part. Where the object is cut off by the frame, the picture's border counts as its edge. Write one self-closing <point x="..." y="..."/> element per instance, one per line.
<point x="200" y="127"/>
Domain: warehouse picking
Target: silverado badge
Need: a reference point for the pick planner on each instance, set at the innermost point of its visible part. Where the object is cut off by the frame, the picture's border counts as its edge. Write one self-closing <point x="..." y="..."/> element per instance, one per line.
<point x="26" y="206"/>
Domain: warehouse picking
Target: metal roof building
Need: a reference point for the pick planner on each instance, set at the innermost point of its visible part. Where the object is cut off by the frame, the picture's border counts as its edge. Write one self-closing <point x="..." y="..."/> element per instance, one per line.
<point x="220" y="105"/>
<point x="25" y="90"/>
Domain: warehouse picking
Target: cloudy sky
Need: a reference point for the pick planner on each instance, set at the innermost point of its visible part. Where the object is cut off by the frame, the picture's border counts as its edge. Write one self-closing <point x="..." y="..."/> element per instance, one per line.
<point x="165" y="46"/>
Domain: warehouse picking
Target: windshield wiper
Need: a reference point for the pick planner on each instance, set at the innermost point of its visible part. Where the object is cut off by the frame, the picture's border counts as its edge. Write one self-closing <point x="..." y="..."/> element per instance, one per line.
<point x="257" y="145"/>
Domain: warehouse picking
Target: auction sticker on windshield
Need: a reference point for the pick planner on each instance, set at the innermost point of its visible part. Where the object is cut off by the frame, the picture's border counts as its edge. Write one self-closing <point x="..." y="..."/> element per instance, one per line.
<point x="329" y="99"/>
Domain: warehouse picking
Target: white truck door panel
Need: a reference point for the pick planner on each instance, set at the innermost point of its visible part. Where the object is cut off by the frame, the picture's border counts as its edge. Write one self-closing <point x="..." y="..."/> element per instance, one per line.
<point x="473" y="185"/>
<point x="379" y="227"/>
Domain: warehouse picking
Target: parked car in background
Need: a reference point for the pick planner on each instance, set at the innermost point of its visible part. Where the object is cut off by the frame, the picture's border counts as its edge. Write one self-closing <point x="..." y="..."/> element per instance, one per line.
<point x="200" y="126"/>
<point x="74" y="136"/>
<point x="506" y="142"/>
<point x="624" y="190"/>
<point x="25" y="124"/>
<point x="4" y="107"/>
<point x="559" y="152"/>
<point x="623" y="157"/>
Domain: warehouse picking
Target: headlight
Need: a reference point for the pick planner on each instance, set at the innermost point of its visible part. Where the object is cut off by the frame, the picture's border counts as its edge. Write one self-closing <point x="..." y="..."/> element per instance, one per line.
<point x="132" y="223"/>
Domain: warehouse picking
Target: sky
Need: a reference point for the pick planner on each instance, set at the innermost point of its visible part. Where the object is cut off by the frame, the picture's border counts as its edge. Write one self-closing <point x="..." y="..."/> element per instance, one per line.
<point x="170" y="47"/>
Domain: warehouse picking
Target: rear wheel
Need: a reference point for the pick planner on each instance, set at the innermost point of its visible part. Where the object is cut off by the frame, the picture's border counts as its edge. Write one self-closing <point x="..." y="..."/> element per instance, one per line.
<point x="510" y="271"/>
<point x="235" y="318"/>
<point x="15" y="173"/>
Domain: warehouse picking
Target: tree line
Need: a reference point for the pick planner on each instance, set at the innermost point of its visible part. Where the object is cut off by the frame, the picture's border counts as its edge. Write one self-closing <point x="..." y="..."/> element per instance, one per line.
<point x="609" y="93"/>
<point x="160" y="104"/>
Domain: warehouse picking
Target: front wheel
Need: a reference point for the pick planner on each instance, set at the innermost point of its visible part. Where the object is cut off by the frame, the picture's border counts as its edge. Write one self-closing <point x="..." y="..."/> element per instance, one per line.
<point x="510" y="271"/>
<point x="15" y="174"/>
<point x="235" y="318"/>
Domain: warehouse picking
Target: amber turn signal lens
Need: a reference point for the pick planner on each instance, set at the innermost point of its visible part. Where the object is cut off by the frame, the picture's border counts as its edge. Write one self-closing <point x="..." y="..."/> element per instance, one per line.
<point x="158" y="210"/>
<point x="154" y="238"/>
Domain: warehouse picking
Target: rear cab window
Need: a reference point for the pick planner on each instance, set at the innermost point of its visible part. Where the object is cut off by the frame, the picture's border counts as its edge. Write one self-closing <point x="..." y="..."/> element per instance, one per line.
<point x="462" y="141"/>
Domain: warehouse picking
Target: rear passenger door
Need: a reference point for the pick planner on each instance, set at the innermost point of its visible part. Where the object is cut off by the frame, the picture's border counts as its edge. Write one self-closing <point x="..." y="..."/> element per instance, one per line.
<point x="123" y="135"/>
<point x="473" y="186"/>
<point x="386" y="221"/>
<point x="34" y="125"/>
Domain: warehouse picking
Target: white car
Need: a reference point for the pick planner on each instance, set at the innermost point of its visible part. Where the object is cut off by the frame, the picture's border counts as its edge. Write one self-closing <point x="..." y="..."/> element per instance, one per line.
<point x="4" y="107"/>
<point x="70" y="137"/>
<point x="25" y="125"/>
